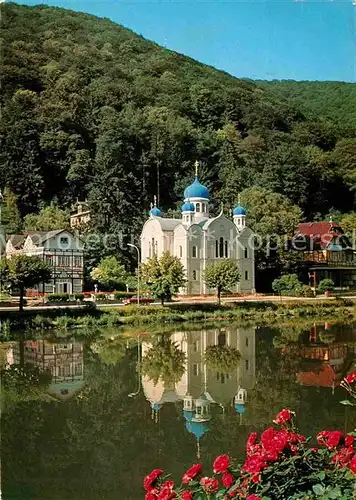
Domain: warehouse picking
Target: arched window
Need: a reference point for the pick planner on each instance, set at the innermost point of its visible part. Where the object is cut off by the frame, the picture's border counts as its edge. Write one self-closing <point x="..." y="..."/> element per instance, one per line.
<point x="246" y="253"/>
<point x="222" y="339"/>
<point x="197" y="207"/>
<point x="194" y="251"/>
<point x="226" y="250"/>
<point x="221" y="248"/>
<point x="194" y="275"/>
<point x="180" y="251"/>
<point x="246" y="275"/>
<point x="154" y="246"/>
<point x="216" y="248"/>
<point x="149" y="249"/>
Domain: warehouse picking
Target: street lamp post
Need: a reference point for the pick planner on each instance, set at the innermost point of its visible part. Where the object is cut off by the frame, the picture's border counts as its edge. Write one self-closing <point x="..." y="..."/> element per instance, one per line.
<point x="138" y="271"/>
<point x="132" y="394"/>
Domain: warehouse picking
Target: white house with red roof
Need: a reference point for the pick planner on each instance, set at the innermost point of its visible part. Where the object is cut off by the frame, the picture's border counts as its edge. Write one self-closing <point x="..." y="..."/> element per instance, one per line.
<point x="328" y="252"/>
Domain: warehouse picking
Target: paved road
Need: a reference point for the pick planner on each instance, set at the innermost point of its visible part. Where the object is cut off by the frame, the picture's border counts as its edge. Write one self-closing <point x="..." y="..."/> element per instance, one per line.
<point x="190" y="300"/>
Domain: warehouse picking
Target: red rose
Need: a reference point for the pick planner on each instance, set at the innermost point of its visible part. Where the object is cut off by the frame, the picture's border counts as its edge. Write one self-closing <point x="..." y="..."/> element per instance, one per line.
<point x="349" y="440"/>
<point x="253" y="497"/>
<point x="150" y="495"/>
<point x="187" y="495"/>
<point x="167" y="492"/>
<point x="322" y="436"/>
<point x="333" y="439"/>
<point x="251" y="440"/>
<point x="221" y="464"/>
<point x="209" y="484"/>
<point x="254" y="464"/>
<point x="353" y="464"/>
<point x="150" y="480"/>
<point x="351" y="378"/>
<point x="227" y="480"/>
<point x="283" y="416"/>
<point x="191" y="473"/>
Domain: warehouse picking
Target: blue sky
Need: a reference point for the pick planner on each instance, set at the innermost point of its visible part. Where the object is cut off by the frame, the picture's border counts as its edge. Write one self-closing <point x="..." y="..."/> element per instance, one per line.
<point x="259" y="39"/>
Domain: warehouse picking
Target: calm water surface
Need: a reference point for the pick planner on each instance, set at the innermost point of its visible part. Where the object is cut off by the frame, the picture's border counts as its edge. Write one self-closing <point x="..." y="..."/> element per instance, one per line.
<point x="88" y="419"/>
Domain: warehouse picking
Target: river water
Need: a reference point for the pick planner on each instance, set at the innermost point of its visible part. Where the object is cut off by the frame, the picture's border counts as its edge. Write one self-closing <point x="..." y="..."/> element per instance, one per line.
<point x="87" y="419"/>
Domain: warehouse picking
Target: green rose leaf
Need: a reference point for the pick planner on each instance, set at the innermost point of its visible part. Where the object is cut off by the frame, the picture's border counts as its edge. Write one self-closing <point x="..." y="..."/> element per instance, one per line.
<point x="319" y="489"/>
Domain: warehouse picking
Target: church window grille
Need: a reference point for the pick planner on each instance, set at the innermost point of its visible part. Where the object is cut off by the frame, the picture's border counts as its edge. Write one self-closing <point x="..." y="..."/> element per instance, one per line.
<point x="194" y="251"/>
<point x="246" y="275"/>
<point x="222" y="339"/>
<point x="197" y="207"/>
<point x="216" y="248"/>
<point x="226" y="250"/>
<point x="221" y="248"/>
<point x="180" y="251"/>
<point x="194" y="275"/>
<point x="246" y="253"/>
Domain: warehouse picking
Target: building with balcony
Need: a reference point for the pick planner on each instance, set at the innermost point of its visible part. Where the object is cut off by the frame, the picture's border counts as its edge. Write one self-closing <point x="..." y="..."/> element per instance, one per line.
<point x="80" y="218"/>
<point x="61" y="249"/>
<point x="327" y="252"/>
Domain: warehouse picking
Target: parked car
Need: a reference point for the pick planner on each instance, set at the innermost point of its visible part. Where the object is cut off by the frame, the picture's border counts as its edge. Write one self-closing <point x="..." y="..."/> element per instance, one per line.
<point x="134" y="300"/>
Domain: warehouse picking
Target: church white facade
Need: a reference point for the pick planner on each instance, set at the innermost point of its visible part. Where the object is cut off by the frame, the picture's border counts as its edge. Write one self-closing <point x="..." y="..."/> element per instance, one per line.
<point x="198" y="239"/>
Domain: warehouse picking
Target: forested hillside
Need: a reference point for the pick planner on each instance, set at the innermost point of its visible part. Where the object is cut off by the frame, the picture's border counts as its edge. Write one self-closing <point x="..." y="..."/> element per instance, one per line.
<point x="333" y="100"/>
<point x="91" y="110"/>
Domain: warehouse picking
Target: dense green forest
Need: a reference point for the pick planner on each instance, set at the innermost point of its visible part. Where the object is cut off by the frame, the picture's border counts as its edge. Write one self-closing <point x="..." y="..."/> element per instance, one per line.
<point x="92" y="110"/>
<point x="335" y="101"/>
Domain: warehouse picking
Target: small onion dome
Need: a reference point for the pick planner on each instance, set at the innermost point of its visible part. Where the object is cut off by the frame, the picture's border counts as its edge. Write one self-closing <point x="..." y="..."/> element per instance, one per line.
<point x="196" y="190"/>
<point x="187" y="207"/>
<point x="197" y="428"/>
<point x="188" y="415"/>
<point x="239" y="210"/>
<point x="240" y="408"/>
<point x="155" y="212"/>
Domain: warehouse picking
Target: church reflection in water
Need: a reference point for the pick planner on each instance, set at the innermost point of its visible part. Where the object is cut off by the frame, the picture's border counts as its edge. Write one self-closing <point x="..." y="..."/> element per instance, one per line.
<point x="201" y="388"/>
<point x="63" y="361"/>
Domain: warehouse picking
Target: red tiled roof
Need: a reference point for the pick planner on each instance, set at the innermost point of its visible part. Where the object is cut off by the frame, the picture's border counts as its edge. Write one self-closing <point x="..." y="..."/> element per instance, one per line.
<point x="320" y="232"/>
<point x="325" y="377"/>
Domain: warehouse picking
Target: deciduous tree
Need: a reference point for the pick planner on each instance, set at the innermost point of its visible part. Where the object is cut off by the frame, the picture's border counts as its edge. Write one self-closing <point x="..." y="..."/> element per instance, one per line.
<point x="23" y="271"/>
<point x="164" y="276"/>
<point x="222" y="275"/>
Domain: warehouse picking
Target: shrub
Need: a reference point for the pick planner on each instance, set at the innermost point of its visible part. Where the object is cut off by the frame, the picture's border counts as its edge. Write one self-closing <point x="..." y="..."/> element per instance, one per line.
<point x="279" y="464"/>
<point x="100" y="296"/>
<point x="326" y="285"/>
<point x="304" y="291"/>
<point x="287" y="284"/>
<point x="79" y="296"/>
<point x="123" y="295"/>
<point x="58" y="297"/>
<point x="64" y="322"/>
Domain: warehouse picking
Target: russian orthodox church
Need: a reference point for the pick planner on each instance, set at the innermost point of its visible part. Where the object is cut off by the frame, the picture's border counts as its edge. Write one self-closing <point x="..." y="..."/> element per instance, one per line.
<point x="198" y="239"/>
<point x="203" y="392"/>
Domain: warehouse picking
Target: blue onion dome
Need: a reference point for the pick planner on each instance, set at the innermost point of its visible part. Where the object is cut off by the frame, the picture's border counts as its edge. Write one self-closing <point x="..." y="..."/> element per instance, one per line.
<point x="196" y="190"/>
<point x="240" y="408"/>
<point x="188" y="415"/>
<point x="155" y="211"/>
<point x="197" y="428"/>
<point x="187" y="207"/>
<point x="239" y="210"/>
